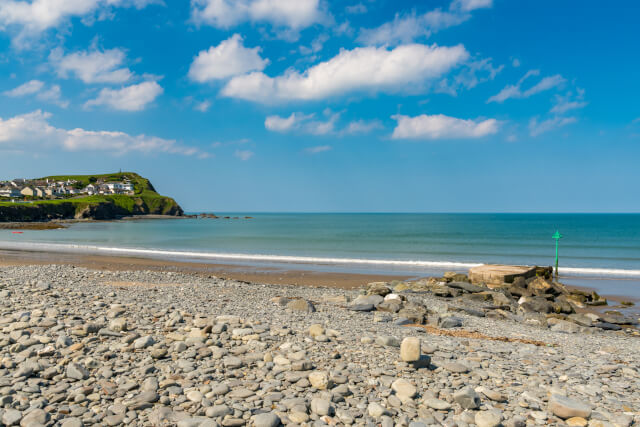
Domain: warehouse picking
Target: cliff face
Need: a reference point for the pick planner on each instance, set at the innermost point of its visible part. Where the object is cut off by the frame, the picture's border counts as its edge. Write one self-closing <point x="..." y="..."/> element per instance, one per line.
<point x="144" y="202"/>
<point x="74" y="210"/>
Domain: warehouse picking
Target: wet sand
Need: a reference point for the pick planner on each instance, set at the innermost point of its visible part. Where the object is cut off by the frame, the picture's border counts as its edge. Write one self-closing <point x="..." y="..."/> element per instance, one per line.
<point x="268" y="275"/>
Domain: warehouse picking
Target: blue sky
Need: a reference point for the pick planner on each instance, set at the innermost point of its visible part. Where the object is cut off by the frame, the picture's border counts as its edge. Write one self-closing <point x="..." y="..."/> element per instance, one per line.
<point x="311" y="105"/>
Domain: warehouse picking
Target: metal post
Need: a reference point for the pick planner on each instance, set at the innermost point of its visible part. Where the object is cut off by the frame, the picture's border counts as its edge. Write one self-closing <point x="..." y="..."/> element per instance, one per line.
<point x="556" y="259"/>
<point x="557" y="236"/>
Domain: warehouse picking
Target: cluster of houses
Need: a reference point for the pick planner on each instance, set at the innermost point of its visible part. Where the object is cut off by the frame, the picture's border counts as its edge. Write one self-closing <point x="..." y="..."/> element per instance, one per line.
<point x="51" y="189"/>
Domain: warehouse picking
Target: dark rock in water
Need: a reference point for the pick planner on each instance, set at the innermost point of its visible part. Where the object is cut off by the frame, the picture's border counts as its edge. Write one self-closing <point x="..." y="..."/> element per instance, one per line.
<point x="607" y="326"/>
<point x="465" y="286"/>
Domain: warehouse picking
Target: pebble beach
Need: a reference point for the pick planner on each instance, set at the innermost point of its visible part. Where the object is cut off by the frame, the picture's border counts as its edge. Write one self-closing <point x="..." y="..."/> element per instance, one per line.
<point x="150" y="348"/>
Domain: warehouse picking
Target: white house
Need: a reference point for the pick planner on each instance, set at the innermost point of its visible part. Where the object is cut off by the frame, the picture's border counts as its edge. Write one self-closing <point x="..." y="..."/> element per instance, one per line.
<point x="90" y="189"/>
<point x="119" y="187"/>
<point x="10" y="192"/>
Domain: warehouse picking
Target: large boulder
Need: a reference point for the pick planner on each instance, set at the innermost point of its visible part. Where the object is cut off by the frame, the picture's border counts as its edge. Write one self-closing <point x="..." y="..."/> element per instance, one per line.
<point x="452" y="276"/>
<point x="466" y="286"/>
<point x="535" y="305"/>
<point x="562" y="305"/>
<point x="501" y="299"/>
<point x="414" y="312"/>
<point x="390" y="306"/>
<point x="378" y="288"/>
<point x="539" y="286"/>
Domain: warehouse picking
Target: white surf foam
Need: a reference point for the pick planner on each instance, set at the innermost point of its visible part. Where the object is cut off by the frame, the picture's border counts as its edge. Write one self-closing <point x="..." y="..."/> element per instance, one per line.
<point x="286" y="259"/>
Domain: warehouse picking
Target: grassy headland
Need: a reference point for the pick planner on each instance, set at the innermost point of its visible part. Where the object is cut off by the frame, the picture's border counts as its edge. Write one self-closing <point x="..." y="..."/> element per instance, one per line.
<point x="144" y="201"/>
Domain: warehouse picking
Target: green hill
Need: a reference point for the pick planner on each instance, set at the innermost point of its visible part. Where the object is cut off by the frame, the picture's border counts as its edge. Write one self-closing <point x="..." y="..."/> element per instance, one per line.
<point x="144" y="201"/>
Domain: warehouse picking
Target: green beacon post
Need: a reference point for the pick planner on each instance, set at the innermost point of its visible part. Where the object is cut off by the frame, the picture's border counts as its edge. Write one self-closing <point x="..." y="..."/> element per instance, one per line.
<point x="557" y="236"/>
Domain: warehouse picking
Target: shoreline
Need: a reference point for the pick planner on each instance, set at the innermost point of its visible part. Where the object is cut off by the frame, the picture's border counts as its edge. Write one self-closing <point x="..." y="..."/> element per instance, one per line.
<point x="265" y="274"/>
<point x="245" y="273"/>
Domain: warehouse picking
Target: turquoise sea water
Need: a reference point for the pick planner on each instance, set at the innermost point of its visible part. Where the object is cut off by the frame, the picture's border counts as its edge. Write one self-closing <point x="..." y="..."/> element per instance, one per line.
<point x="602" y="246"/>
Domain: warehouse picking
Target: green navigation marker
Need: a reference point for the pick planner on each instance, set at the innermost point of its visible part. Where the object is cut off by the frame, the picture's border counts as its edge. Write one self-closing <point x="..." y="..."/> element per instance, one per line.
<point x="557" y="236"/>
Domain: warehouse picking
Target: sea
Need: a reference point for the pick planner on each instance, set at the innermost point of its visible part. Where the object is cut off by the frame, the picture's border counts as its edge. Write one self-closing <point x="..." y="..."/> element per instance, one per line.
<point x="599" y="251"/>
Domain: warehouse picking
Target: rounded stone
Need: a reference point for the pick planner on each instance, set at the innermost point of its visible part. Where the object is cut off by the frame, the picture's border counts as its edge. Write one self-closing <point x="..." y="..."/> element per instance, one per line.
<point x="488" y="418"/>
<point x="564" y="407"/>
<point x="376" y="410"/>
<point x="266" y="420"/>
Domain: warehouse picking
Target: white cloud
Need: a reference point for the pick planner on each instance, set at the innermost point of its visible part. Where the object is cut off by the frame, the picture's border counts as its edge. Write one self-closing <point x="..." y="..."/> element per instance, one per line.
<point x="536" y="128"/>
<point x="129" y="98"/>
<point x="569" y="102"/>
<point x="292" y="14"/>
<point x="244" y="155"/>
<point x="361" y="69"/>
<point x="439" y="126"/>
<point x="27" y="20"/>
<point x="303" y="123"/>
<point x="515" y="62"/>
<point x="52" y="95"/>
<point x="410" y="27"/>
<point x="471" y="74"/>
<point x="318" y="149"/>
<point x="316" y="45"/>
<point x="284" y="124"/>
<point x="469" y="5"/>
<point x="359" y="127"/>
<point x="229" y="58"/>
<point x="515" y="91"/>
<point x="92" y="66"/>
<point x="203" y="106"/>
<point x="308" y="124"/>
<point x="28" y="88"/>
<point x="33" y="131"/>
<point x="544" y="84"/>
